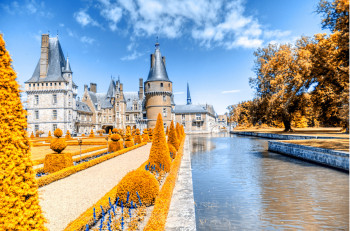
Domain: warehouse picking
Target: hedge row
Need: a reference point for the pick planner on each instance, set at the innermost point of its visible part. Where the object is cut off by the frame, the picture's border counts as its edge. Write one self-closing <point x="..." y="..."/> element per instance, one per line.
<point x="161" y="208"/>
<point x="42" y="181"/>
<point x="41" y="161"/>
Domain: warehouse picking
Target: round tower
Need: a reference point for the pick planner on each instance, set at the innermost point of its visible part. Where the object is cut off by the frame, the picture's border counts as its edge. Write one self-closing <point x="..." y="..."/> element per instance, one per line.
<point x="158" y="91"/>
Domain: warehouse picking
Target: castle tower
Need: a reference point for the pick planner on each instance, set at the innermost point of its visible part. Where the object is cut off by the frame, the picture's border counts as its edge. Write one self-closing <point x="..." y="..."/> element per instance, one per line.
<point x="158" y="91"/>
<point x="189" y="101"/>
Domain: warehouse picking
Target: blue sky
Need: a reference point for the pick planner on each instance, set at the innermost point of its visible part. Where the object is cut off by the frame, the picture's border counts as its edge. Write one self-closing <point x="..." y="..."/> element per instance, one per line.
<point x="208" y="44"/>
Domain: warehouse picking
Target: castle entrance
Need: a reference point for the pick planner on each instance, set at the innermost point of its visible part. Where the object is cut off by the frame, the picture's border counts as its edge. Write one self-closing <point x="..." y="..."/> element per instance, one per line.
<point x="107" y="128"/>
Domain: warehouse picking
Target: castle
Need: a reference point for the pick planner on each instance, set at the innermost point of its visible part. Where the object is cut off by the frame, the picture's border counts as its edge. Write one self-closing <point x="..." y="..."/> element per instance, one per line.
<point x="52" y="100"/>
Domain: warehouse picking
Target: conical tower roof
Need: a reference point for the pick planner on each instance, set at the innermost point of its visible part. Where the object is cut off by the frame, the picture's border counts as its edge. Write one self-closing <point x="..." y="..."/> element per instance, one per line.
<point x="158" y="71"/>
<point x="189" y="101"/>
<point x="111" y="89"/>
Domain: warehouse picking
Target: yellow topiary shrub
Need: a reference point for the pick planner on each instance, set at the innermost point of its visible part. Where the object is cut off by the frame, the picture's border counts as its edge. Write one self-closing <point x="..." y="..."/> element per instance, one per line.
<point x="83" y="134"/>
<point x="114" y="146"/>
<point x="115" y="130"/>
<point x="128" y="139"/>
<point x="58" y="145"/>
<point x="92" y="133"/>
<point x="172" y="151"/>
<point x="172" y="137"/>
<point x="19" y="203"/>
<point x="145" y="137"/>
<point x="142" y="182"/>
<point x="56" y="162"/>
<point x="49" y="135"/>
<point x="58" y="133"/>
<point x="159" y="153"/>
<point x="32" y="135"/>
<point x="68" y="135"/>
<point x="137" y="139"/>
<point x="150" y="134"/>
<point x="115" y="137"/>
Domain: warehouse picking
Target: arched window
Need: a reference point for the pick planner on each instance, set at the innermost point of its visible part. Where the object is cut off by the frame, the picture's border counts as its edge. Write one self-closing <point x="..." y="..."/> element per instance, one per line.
<point x="161" y="84"/>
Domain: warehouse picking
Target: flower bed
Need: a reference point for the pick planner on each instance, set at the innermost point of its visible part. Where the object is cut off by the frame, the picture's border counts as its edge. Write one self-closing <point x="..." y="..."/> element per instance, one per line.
<point x="41" y="161"/>
<point x="47" y="179"/>
<point x="106" y="207"/>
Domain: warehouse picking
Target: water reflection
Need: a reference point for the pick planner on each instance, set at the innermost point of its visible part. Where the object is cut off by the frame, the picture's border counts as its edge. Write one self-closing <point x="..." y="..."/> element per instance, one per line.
<point x="240" y="186"/>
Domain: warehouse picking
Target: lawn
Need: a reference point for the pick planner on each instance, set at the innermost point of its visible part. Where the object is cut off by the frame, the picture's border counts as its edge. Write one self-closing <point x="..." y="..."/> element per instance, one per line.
<point x="335" y="144"/>
<point x="40" y="152"/>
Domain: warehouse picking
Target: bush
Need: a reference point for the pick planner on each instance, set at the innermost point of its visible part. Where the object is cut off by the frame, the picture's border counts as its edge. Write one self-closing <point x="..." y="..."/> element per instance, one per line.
<point x="58" y="145"/>
<point x="115" y="130"/>
<point x="68" y="135"/>
<point x="142" y="182"/>
<point x="32" y="135"/>
<point x="172" y="151"/>
<point x="92" y="133"/>
<point x="137" y="139"/>
<point x="56" y="162"/>
<point x="115" y="137"/>
<point x="172" y="137"/>
<point x="58" y="133"/>
<point x="49" y="135"/>
<point x="159" y="154"/>
<point x="114" y="146"/>
<point x="145" y="137"/>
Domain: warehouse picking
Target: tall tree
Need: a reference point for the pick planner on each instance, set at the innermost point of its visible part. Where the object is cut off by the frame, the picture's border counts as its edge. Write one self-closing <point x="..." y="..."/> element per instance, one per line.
<point x="19" y="203"/>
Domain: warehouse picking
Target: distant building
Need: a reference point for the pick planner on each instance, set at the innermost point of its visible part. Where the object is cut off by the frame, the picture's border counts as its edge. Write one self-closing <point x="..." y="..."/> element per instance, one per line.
<point x="52" y="97"/>
<point x="196" y="118"/>
<point x="222" y="121"/>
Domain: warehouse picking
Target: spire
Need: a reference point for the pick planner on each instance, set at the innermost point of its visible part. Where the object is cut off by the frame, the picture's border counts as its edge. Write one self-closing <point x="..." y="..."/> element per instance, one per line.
<point x="158" y="70"/>
<point x="189" y="101"/>
<point x="111" y="89"/>
<point x="67" y="66"/>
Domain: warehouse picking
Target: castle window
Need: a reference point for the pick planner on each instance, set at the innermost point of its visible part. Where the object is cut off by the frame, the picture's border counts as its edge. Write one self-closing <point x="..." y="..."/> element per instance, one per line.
<point x="54" y="114"/>
<point x="135" y="107"/>
<point x="59" y="84"/>
<point x="42" y="84"/>
<point x="164" y="98"/>
<point x="47" y="84"/>
<point x="50" y="84"/>
<point x="36" y="99"/>
<point x="55" y="84"/>
<point x="36" y="114"/>
<point x="110" y="118"/>
<point x="135" y="116"/>
<point x="36" y="127"/>
<point x="127" y="117"/>
<point x="54" y="99"/>
<point x="164" y="112"/>
<point x="54" y="127"/>
<point x="161" y="84"/>
<point x="198" y="117"/>
<point x="148" y="85"/>
<point x="29" y="85"/>
<point x="183" y="117"/>
<point x="168" y="84"/>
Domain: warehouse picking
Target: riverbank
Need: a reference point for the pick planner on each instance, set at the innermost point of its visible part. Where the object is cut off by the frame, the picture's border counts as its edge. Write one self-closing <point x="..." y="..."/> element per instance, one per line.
<point x="321" y="154"/>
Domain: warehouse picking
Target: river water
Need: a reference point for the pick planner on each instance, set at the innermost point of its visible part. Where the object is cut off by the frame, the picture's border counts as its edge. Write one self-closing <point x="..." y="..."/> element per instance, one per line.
<point x="239" y="185"/>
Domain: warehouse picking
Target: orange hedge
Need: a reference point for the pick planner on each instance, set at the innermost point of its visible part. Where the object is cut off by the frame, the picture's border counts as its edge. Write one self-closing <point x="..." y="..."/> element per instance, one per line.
<point x="71" y="170"/>
<point x="160" y="211"/>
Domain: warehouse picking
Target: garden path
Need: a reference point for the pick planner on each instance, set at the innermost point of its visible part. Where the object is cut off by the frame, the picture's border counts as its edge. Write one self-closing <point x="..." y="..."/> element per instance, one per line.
<point x="64" y="200"/>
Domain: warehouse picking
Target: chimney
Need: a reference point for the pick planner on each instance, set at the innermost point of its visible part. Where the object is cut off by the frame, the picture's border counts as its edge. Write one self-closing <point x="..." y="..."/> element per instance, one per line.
<point x="152" y="60"/>
<point x="93" y="87"/>
<point x="121" y="88"/>
<point x="141" y="88"/>
<point x="44" y="56"/>
<point x="163" y="59"/>
<point x="85" y="87"/>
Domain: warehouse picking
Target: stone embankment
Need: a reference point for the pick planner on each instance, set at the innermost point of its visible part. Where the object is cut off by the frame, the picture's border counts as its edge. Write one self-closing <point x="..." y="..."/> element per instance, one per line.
<point x="336" y="159"/>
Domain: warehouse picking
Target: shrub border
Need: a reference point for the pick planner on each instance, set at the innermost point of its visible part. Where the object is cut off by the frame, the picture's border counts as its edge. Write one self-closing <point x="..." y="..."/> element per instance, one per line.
<point x="87" y="217"/>
<point x="45" y="180"/>
<point x="160" y="211"/>
<point x="41" y="161"/>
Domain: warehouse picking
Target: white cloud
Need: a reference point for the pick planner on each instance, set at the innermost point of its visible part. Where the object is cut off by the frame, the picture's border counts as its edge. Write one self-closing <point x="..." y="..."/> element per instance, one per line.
<point x="87" y="40"/>
<point x="132" y="56"/>
<point x="230" y="91"/>
<point x="84" y="19"/>
<point x="61" y="25"/>
<point x="179" y="93"/>
<point x="218" y="23"/>
<point x="30" y="7"/>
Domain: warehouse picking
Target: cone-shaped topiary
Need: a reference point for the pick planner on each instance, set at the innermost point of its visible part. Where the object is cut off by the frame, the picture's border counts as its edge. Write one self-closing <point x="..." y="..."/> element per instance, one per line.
<point x="128" y="139"/>
<point x="167" y="131"/>
<point x="150" y="134"/>
<point x="159" y="153"/>
<point x="137" y="139"/>
<point x="58" y="145"/>
<point x="145" y="137"/>
<point x="68" y="135"/>
<point x="109" y="132"/>
<point x="172" y="137"/>
<point x="142" y="182"/>
<point x="178" y="132"/>
<point x="172" y="151"/>
<point x="32" y="135"/>
<point x="92" y="133"/>
<point x="19" y="203"/>
<point x="49" y="135"/>
<point x="58" y="133"/>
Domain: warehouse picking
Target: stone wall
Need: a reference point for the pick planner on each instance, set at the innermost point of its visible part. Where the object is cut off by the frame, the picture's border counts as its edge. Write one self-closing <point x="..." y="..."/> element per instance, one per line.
<point x="282" y="137"/>
<point x="336" y="159"/>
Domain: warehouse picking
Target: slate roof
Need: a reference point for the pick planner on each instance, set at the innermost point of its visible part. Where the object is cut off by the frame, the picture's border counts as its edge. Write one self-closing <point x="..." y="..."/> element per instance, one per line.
<point x="190" y="108"/>
<point x="158" y="71"/>
<point x="101" y="98"/>
<point x="57" y="65"/>
<point x="83" y="107"/>
<point x="111" y="89"/>
<point x="130" y="98"/>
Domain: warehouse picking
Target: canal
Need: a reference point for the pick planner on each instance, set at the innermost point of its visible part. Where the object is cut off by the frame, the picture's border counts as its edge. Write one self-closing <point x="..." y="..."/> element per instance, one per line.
<point x="239" y="185"/>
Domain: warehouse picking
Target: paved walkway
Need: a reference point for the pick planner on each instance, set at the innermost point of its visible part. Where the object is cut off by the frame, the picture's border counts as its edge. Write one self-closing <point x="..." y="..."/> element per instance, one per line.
<point x="64" y="200"/>
<point x="181" y="214"/>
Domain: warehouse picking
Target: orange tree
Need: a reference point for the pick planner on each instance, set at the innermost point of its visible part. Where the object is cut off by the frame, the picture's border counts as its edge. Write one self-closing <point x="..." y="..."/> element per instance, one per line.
<point x="19" y="204"/>
<point x="159" y="153"/>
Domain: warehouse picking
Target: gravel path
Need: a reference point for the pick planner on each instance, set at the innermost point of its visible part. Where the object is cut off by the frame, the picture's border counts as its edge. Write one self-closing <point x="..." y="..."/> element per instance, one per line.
<point x="64" y="200"/>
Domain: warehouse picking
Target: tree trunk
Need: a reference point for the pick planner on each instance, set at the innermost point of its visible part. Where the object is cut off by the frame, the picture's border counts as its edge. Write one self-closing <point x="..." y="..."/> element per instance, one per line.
<point x="287" y="125"/>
